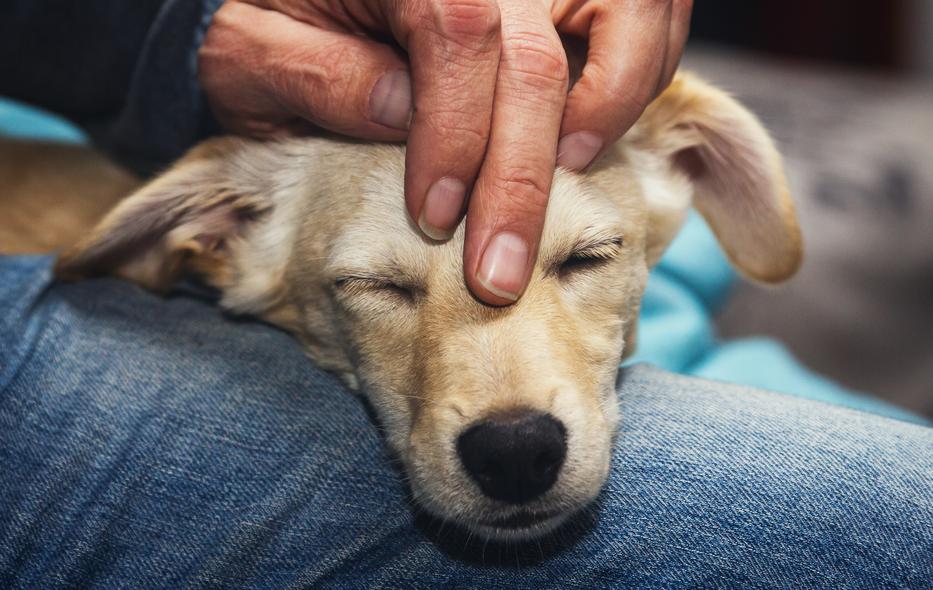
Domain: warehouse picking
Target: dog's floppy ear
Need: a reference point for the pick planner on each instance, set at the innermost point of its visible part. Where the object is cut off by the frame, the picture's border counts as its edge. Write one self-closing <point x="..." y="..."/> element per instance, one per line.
<point x="186" y="220"/>
<point x="736" y="173"/>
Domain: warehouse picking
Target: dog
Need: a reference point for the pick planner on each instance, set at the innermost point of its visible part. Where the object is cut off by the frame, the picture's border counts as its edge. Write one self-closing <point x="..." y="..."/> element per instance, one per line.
<point x="503" y="417"/>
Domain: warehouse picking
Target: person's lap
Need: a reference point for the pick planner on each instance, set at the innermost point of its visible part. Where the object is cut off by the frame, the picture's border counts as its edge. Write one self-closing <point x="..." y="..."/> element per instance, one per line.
<point x="152" y="442"/>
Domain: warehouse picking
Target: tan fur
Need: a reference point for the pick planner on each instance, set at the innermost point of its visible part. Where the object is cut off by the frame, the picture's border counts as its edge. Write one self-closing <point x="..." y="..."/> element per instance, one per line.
<point x="312" y="235"/>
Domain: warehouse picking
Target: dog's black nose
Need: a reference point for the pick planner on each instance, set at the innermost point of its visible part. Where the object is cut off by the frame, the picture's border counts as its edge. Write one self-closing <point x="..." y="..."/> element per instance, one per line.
<point x="514" y="456"/>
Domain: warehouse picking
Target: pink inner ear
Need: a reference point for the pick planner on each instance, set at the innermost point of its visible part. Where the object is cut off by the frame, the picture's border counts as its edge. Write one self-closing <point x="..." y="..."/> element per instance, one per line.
<point x="212" y="227"/>
<point x="741" y="192"/>
<point x="690" y="161"/>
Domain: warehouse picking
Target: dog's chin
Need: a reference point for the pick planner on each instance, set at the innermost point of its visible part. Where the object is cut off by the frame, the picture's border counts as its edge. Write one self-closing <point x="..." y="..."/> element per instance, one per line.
<point x="522" y="526"/>
<point x="511" y="525"/>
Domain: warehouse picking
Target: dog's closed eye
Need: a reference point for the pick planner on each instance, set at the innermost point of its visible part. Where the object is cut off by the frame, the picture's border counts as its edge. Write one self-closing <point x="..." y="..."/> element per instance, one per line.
<point x="589" y="256"/>
<point x="353" y="285"/>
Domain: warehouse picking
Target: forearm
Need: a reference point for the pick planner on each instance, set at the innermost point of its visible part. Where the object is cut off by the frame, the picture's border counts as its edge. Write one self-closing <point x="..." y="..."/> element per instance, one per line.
<point x="126" y="72"/>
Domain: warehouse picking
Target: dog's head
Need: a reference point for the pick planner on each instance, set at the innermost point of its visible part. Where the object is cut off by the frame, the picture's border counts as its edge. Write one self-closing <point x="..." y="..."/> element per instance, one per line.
<point x="502" y="416"/>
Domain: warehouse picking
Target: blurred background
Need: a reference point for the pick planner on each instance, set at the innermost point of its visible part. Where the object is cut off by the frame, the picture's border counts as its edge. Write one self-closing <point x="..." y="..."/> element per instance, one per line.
<point x="847" y="89"/>
<point x="894" y="36"/>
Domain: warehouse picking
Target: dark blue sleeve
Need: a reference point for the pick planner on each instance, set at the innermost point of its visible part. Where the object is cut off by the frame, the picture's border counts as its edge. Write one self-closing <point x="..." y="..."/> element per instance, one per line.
<point x="124" y="71"/>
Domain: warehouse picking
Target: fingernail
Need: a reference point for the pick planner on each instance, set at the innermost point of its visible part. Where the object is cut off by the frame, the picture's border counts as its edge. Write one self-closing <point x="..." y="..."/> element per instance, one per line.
<point x="577" y="150"/>
<point x="390" y="100"/>
<point x="502" y="270"/>
<point x="442" y="207"/>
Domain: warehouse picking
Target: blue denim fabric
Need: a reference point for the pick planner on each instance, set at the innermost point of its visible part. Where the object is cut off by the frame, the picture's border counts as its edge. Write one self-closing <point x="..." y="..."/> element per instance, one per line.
<point x="154" y="443"/>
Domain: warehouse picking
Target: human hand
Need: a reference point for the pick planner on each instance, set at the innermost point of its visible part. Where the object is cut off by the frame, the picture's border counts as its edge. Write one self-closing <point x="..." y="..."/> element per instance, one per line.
<point x="478" y="88"/>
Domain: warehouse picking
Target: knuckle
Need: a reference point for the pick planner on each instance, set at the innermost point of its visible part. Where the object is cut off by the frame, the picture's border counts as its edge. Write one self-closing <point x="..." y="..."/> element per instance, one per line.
<point x="299" y="87"/>
<point x="219" y="38"/>
<point x="524" y="190"/>
<point x="636" y="98"/>
<point x="626" y="90"/>
<point x="470" y="135"/>
<point x="320" y="84"/>
<point x="228" y="15"/>
<point x="467" y="21"/>
<point x="537" y="58"/>
<point x="623" y="90"/>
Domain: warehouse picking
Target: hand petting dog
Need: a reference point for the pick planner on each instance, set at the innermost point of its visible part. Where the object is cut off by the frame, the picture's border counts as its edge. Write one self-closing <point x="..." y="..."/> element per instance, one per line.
<point x="477" y="87"/>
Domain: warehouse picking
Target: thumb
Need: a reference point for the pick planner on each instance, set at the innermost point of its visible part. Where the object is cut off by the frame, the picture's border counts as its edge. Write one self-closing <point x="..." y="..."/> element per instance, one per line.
<point x="342" y="82"/>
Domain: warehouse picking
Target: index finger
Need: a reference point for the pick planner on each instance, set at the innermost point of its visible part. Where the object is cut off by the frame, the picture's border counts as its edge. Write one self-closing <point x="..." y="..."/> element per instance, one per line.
<point x="509" y="201"/>
<point x="453" y="48"/>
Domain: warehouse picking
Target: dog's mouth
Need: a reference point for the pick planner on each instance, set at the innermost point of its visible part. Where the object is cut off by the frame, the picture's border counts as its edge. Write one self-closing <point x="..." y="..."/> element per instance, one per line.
<point x="521" y="520"/>
<point x="525" y="524"/>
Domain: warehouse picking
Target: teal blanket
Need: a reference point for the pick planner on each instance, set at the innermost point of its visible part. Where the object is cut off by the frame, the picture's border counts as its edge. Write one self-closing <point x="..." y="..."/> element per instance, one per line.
<point x="676" y="330"/>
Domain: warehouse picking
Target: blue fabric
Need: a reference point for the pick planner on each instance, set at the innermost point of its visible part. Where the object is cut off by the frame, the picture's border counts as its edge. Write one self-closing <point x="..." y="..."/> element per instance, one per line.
<point x="26" y="122"/>
<point x="676" y="330"/>
<point x="151" y="442"/>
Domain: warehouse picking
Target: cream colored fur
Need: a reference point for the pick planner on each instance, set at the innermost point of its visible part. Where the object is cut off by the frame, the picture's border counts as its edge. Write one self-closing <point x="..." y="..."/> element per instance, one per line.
<point x="312" y="235"/>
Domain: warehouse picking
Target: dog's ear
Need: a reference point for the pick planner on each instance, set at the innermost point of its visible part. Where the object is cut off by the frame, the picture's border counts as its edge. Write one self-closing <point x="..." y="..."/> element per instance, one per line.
<point x="720" y="153"/>
<point x="186" y="220"/>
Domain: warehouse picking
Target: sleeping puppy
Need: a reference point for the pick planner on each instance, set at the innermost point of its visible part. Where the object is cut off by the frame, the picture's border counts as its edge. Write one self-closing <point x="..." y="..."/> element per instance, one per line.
<point x="503" y="417"/>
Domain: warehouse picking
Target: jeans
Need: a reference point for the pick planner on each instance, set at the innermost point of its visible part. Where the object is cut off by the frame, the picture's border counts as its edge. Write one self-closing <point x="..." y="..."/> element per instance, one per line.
<point x="151" y="442"/>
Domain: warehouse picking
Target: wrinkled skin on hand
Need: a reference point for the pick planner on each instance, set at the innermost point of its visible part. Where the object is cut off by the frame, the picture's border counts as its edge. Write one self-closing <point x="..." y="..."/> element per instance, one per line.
<point x="477" y="88"/>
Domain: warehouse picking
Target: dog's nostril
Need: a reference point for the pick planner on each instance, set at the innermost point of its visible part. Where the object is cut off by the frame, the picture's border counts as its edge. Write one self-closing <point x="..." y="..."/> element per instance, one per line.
<point x="514" y="456"/>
